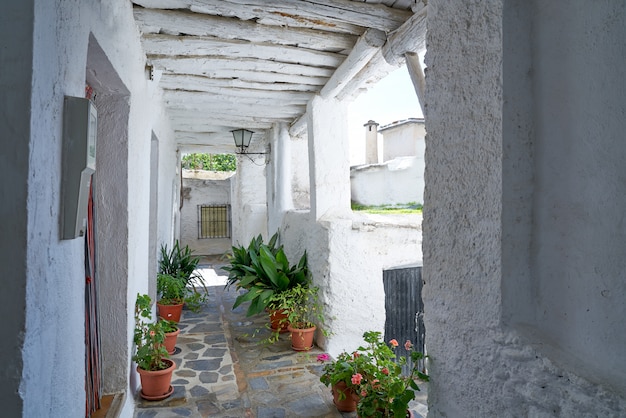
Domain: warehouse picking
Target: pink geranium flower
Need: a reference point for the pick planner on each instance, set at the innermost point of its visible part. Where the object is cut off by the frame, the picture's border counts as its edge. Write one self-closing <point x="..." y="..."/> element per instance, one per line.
<point x="323" y="357"/>
<point x="408" y="345"/>
<point x="394" y="342"/>
<point x="356" y="379"/>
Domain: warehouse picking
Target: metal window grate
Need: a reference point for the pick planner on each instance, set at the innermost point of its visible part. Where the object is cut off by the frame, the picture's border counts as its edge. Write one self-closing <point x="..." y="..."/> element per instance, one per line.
<point x="213" y="221"/>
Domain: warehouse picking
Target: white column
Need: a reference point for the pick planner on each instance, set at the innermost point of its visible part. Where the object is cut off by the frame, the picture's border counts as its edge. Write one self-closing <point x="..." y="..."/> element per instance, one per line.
<point x="279" y="177"/>
<point x="249" y="199"/>
<point x="329" y="161"/>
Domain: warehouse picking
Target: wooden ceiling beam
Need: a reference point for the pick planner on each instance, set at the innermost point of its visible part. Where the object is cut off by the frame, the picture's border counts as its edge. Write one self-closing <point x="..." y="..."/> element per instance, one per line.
<point x="410" y="37"/>
<point x="200" y="83"/>
<point x="186" y="23"/>
<point x="251" y="71"/>
<point x="238" y="95"/>
<point x="159" y="45"/>
<point x="279" y="100"/>
<point x="325" y="15"/>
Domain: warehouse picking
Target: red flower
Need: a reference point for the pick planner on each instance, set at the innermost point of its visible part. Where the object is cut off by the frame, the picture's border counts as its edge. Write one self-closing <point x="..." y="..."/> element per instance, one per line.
<point x="393" y="342"/>
<point x="385" y="371"/>
<point x="356" y="379"/>
<point x="408" y="345"/>
<point x="152" y="333"/>
<point x="355" y="354"/>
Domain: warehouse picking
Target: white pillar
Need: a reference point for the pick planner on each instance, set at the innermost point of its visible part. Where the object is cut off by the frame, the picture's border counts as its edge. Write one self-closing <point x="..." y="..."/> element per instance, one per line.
<point x="279" y="177"/>
<point x="329" y="161"/>
<point x="249" y="199"/>
<point x="371" y="142"/>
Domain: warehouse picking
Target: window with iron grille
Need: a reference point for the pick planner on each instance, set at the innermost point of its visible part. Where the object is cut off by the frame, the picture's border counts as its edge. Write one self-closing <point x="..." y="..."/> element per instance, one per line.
<point x="213" y="221"/>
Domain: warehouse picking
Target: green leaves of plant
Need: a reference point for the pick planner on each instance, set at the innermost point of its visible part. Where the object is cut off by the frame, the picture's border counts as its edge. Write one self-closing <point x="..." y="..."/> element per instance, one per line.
<point x="264" y="271"/>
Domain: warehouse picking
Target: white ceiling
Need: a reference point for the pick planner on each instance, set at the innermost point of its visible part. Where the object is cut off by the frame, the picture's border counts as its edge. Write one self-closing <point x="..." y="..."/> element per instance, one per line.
<point x="229" y="64"/>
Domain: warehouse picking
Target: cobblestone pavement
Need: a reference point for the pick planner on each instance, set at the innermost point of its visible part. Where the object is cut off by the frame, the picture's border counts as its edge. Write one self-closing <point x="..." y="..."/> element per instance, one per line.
<point x="226" y="370"/>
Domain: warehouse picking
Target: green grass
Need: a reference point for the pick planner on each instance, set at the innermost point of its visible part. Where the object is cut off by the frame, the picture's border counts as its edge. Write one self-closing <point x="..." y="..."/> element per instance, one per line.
<point x="407" y="208"/>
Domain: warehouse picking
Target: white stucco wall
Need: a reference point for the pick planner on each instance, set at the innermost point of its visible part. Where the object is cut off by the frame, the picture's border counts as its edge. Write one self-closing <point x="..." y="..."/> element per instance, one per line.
<point x="403" y="139"/>
<point x="398" y="181"/>
<point x="53" y="342"/>
<point x="521" y="227"/>
<point x="203" y="188"/>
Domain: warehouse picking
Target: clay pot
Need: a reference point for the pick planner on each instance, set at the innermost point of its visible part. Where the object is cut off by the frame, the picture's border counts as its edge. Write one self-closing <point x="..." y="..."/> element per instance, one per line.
<point x="302" y="339"/>
<point x="346" y="402"/>
<point x="278" y="320"/>
<point x="170" y="341"/>
<point x="155" y="385"/>
<point x="170" y="312"/>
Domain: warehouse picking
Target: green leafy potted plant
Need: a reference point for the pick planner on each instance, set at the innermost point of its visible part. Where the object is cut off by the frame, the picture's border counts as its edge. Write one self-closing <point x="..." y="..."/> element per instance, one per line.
<point x="171" y="335"/>
<point x="179" y="263"/>
<point x="377" y="378"/>
<point x="304" y="313"/>
<point x="338" y="375"/>
<point x="171" y="292"/>
<point x="264" y="271"/>
<point x="153" y="364"/>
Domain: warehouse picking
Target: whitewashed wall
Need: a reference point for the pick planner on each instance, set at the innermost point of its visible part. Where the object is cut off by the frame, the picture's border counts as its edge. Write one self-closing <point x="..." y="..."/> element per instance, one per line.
<point x="524" y="286"/>
<point x="203" y="188"/>
<point x="403" y="139"/>
<point x="398" y="181"/>
<point x="69" y="38"/>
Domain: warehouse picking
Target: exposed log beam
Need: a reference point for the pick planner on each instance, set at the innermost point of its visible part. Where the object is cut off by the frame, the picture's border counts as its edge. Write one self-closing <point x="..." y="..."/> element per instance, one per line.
<point x="298" y="126"/>
<point x="200" y="83"/>
<point x="416" y="72"/>
<point x="254" y="71"/>
<point x="216" y="114"/>
<point x="171" y="22"/>
<point x="181" y="46"/>
<point x="375" y="70"/>
<point x="326" y="15"/>
<point x="363" y="50"/>
<point x="266" y="98"/>
<point x="410" y="37"/>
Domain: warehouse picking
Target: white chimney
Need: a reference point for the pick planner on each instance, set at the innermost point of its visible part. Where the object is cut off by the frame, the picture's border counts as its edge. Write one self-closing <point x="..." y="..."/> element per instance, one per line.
<point x="371" y="142"/>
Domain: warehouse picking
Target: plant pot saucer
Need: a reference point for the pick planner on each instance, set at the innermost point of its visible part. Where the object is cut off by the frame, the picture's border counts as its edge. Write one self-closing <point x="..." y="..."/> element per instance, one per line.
<point x="158" y="397"/>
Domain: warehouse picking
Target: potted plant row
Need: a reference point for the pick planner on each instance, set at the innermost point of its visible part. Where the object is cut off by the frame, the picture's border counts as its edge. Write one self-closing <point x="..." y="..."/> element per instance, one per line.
<point x="370" y="379"/>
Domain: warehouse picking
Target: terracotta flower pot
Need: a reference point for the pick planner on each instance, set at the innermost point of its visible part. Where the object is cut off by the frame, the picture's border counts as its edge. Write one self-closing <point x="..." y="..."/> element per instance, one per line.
<point x="155" y="385"/>
<point x="346" y="402"/>
<point x="170" y="341"/>
<point x="302" y="339"/>
<point x="278" y="320"/>
<point x="170" y="312"/>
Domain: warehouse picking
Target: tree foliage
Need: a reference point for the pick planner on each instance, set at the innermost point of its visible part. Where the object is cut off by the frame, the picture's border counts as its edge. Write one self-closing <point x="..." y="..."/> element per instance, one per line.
<point x="210" y="162"/>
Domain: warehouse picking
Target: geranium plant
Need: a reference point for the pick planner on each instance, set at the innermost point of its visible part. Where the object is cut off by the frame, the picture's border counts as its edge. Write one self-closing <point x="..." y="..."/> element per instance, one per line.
<point x="149" y="337"/>
<point x="375" y="373"/>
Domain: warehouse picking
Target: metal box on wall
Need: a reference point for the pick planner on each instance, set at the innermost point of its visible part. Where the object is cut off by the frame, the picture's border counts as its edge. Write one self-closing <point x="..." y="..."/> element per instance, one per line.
<point x="80" y="121"/>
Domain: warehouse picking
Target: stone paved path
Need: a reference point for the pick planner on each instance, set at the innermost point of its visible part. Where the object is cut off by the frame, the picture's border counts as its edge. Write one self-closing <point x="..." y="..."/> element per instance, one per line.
<point x="225" y="370"/>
